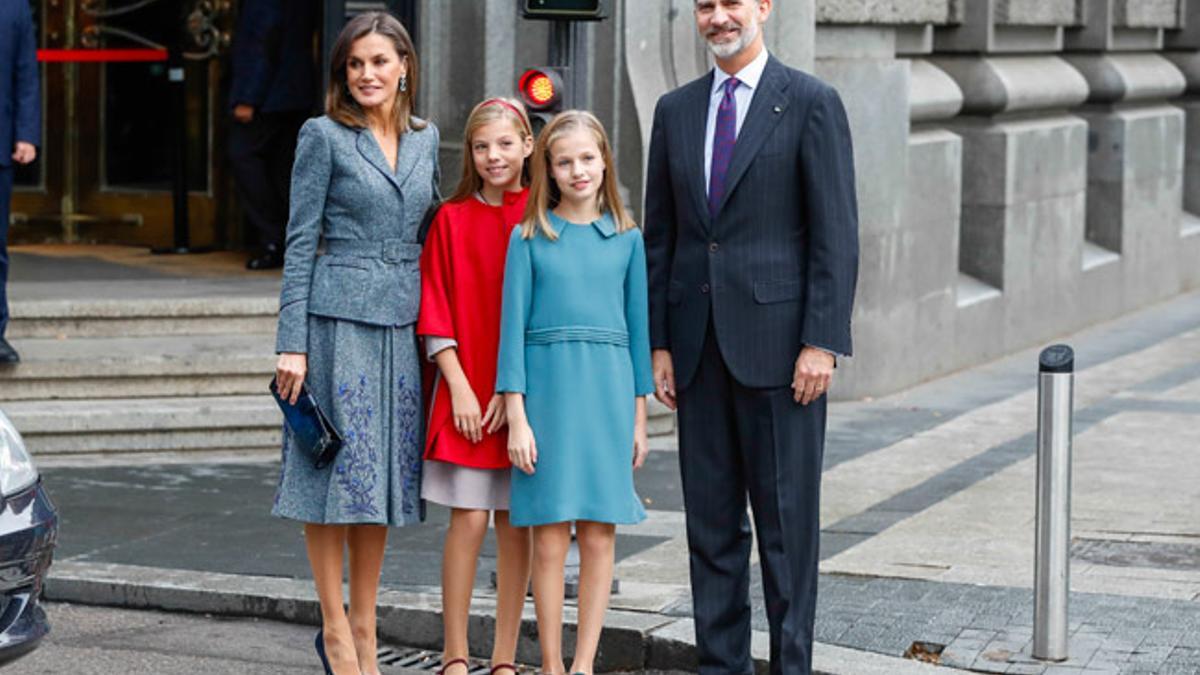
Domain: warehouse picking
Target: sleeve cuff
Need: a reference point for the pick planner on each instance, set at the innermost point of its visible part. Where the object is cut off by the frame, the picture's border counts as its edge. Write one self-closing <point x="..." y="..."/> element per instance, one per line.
<point x="435" y="344"/>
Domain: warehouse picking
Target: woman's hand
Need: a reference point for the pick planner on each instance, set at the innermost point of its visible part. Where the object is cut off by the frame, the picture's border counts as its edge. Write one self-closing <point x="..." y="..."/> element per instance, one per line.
<point x="494" y="418"/>
<point x="289" y="375"/>
<point x="466" y="413"/>
<point x="641" y="446"/>
<point x="522" y="448"/>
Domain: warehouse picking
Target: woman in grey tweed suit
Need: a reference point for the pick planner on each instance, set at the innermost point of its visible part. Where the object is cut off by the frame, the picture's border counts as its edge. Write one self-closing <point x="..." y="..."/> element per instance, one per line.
<point x="364" y="175"/>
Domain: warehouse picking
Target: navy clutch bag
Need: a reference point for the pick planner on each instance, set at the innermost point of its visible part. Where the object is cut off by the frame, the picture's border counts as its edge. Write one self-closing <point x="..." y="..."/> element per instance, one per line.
<point x="311" y="429"/>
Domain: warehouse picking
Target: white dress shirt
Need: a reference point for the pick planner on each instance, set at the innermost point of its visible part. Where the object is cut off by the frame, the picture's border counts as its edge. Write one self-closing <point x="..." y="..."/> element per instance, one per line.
<point x="748" y="78"/>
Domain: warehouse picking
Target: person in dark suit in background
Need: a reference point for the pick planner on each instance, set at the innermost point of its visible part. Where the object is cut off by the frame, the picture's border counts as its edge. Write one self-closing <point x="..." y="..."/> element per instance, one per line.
<point x="20" y="127"/>
<point x="752" y="250"/>
<point x="272" y="93"/>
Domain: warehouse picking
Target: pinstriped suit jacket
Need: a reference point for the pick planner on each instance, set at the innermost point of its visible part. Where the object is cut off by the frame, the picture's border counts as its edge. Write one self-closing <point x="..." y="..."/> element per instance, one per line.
<point x="776" y="268"/>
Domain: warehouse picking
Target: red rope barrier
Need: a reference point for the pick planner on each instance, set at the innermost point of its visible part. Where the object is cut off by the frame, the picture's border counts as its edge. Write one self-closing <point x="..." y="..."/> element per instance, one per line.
<point x="101" y="55"/>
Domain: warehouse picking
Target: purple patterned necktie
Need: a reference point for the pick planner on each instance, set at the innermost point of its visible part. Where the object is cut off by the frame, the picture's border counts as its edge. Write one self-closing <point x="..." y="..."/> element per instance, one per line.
<point x="724" y="136"/>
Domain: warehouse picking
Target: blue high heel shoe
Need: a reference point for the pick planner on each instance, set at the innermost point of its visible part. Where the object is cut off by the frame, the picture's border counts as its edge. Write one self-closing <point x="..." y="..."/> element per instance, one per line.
<point x="321" y="652"/>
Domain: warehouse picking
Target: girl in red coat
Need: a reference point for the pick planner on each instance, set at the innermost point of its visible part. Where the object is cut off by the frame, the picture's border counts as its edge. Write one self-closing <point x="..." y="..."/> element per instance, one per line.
<point x="466" y="459"/>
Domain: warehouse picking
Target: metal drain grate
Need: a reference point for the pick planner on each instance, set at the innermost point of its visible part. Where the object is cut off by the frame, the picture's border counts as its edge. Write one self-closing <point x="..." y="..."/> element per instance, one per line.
<point x="1160" y="555"/>
<point x="398" y="658"/>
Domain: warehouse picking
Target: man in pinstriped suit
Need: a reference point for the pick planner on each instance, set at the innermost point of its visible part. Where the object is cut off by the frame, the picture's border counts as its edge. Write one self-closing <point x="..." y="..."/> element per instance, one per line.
<point x="752" y="248"/>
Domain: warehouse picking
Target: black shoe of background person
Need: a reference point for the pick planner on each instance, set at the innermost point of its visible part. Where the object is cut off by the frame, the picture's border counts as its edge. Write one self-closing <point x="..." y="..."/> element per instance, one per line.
<point x="8" y="355"/>
<point x="269" y="258"/>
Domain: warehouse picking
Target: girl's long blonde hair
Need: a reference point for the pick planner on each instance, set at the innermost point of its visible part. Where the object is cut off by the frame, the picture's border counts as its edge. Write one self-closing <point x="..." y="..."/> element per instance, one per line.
<point x="485" y="113"/>
<point x="543" y="191"/>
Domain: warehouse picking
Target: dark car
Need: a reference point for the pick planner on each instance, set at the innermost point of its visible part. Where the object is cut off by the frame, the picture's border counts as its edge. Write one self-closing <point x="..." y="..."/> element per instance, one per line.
<point x="28" y="532"/>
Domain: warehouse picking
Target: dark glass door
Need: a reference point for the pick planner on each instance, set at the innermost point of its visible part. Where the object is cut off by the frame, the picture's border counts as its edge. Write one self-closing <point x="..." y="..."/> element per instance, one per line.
<point x="108" y="137"/>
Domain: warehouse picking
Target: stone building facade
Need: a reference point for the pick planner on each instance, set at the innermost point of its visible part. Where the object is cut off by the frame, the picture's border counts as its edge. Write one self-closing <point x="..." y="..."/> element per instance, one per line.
<point x="1025" y="167"/>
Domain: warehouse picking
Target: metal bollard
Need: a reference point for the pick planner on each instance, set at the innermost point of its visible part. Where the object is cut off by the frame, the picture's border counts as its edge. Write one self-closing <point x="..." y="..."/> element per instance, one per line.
<point x="1052" y="579"/>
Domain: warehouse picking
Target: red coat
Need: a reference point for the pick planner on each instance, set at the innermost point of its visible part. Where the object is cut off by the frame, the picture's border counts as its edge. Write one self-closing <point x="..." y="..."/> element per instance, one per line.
<point x="462" y="277"/>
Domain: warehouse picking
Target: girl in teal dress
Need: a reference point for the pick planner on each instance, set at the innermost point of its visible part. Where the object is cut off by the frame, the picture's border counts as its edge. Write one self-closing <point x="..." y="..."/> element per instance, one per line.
<point x="574" y="365"/>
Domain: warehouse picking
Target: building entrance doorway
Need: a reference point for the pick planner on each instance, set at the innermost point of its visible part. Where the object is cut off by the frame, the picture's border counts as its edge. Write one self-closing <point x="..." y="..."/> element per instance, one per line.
<point x="105" y="167"/>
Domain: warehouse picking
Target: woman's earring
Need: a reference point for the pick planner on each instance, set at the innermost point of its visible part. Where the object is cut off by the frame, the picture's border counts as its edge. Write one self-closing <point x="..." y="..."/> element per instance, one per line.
<point x="404" y="83"/>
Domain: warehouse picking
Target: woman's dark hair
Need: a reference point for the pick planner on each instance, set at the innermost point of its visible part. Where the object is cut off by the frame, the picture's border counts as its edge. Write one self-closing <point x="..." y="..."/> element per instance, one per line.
<point x="339" y="104"/>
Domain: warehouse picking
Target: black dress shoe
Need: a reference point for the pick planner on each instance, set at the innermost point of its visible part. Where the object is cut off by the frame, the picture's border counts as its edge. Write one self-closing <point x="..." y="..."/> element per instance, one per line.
<point x="7" y="353"/>
<point x="269" y="258"/>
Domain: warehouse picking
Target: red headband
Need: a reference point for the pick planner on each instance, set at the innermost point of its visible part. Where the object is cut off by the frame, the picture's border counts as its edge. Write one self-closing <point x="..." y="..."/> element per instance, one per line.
<point x="506" y="104"/>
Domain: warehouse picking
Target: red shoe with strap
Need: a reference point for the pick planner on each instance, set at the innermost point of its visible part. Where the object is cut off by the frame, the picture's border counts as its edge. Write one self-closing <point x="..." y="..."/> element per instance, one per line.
<point x="454" y="662"/>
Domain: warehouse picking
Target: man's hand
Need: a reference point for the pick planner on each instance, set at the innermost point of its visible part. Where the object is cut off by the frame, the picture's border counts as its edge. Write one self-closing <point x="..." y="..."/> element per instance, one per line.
<point x="243" y="113"/>
<point x="814" y="372"/>
<point x="664" y="377"/>
<point x="24" y="153"/>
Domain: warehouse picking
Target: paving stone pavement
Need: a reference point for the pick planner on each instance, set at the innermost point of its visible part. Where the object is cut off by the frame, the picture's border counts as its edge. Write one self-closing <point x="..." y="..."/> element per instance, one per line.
<point x="927" y="511"/>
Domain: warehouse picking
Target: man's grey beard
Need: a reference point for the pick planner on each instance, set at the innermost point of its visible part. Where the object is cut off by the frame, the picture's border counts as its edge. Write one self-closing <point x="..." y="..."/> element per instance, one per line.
<point x="728" y="49"/>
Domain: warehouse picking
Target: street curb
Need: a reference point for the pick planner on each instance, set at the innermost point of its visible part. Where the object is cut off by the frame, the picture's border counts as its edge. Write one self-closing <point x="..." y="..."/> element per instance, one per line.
<point x="412" y="617"/>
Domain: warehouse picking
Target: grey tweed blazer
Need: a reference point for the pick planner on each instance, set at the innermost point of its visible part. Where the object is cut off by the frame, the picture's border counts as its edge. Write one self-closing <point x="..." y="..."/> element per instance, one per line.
<point x="345" y="194"/>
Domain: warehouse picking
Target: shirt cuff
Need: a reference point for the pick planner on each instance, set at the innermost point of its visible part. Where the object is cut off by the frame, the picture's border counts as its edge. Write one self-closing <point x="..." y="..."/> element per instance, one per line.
<point x="435" y="344"/>
<point x="830" y="352"/>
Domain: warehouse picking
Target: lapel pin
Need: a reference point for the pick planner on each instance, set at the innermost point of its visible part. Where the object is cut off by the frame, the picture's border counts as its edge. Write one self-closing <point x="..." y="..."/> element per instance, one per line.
<point x="778" y="110"/>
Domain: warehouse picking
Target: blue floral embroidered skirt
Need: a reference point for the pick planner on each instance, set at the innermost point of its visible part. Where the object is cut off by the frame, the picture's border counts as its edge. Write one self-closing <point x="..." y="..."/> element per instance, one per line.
<point x="368" y="380"/>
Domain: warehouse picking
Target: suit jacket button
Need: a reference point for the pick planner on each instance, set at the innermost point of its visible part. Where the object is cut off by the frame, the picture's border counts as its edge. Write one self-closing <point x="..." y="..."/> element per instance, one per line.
<point x="704" y="288"/>
<point x="712" y="248"/>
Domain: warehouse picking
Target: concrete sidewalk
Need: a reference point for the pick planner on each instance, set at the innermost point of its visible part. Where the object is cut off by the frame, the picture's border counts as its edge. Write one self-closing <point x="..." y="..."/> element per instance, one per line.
<point x="927" y="527"/>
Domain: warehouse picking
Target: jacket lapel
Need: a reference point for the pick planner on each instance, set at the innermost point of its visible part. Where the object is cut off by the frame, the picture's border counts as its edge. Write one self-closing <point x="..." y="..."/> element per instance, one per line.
<point x="694" y="126"/>
<point x="370" y="150"/>
<point x="408" y="155"/>
<point x="766" y="109"/>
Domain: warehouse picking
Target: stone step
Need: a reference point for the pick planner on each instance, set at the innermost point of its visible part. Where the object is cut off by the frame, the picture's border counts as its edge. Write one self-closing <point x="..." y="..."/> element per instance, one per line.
<point x="146" y="366"/>
<point x="142" y="317"/>
<point x="83" y="372"/>
<point x="147" y="424"/>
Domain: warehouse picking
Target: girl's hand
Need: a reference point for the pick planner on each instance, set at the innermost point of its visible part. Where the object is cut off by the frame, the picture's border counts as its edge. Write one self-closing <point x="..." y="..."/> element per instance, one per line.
<point x="522" y="448"/>
<point x="494" y="418"/>
<point x="290" y="370"/>
<point x="641" y="446"/>
<point x="466" y="413"/>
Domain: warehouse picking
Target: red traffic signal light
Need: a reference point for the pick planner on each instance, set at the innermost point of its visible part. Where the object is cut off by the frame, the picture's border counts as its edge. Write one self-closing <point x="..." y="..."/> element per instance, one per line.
<point x="541" y="89"/>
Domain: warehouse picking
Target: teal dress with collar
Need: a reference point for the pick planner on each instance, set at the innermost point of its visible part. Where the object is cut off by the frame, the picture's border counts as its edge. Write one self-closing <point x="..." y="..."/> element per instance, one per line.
<point x="574" y="339"/>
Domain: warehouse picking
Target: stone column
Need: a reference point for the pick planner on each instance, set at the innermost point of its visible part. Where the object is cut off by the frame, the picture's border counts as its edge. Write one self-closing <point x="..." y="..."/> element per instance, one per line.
<point x="1189" y="250"/>
<point x="932" y="214"/>
<point x="1122" y="25"/>
<point x="1135" y="177"/>
<point x="500" y="31"/>
<point x="791" y="33"/>
<point x="860" y="62"/>
<point x="1024" y="192"/>
<point x="1189" y="64"/>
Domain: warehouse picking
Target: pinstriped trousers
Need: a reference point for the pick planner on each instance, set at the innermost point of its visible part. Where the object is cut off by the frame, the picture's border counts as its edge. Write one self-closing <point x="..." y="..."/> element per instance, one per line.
<point x="6" y="186"/>
<point x="736" y="442"/>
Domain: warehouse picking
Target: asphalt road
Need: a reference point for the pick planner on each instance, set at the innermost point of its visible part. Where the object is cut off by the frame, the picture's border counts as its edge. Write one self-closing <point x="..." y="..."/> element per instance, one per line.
<point x="100" y="641"/>
<point x="105" y="641"/>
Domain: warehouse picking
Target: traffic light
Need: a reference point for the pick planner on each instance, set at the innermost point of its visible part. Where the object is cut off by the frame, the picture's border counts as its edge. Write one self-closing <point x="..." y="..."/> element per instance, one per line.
<point x="565" y="10"/>
<point x="541" y="90"/>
